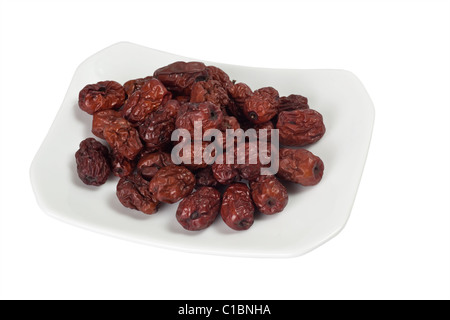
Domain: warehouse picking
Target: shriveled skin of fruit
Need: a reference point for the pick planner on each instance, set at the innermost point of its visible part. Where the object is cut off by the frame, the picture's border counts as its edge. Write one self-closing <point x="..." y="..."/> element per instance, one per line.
<point x="120" y="166"/>
<point x="142" y="102"/>
<point x="199" y="209"/>
<point x="262" y="106"/>
<point x="180" y="76"/>
<point x="300" y="166"/>
<point x="101" y="119"/>
<point x="102" y="95"/>
<point x="135" y="84"/>
<point x="293" y="102"/>
<point x="215" y="73"/>
<point x="172" y="183"/>
<point x="150" y="163"/>
<point x="300" y="127"/>
<point x="93" y="163"/>
<point x="123" y="138"/>
<point x="237" y="209"/>
<point x="156" y="130"/>
<point x="205" y="178"/>
<point x="207" y="113"/>
<point x="211" y="91"/>
<point x="269" y="194"/>
<point x="132" y="192"/>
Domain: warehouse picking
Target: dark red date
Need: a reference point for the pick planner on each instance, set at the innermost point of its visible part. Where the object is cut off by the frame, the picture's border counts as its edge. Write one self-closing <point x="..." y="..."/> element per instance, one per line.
<point x="172" y="183"/>
<point x="269" y="195"/>
<point x="142" y="102"/>
<point x="208" y="114"/>
<point x="123" y="138"/>
<point x="150" y="163"/>
<point x="300" y="166"/>
<point x="179" y="77"/>
<point x="300" y="127"/>
<point x="101" y="119"/>
<point x="237" y="209"/>
<point x="211" y="91"/>
<point x="132" y="192"/>
<point x="103" y="95"/>
<point x="93" y="165"/>
<point x="199" y="210"/>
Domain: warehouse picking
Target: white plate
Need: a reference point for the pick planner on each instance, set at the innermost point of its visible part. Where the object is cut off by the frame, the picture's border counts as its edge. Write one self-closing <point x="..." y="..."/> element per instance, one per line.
<point x="313" y="214"/>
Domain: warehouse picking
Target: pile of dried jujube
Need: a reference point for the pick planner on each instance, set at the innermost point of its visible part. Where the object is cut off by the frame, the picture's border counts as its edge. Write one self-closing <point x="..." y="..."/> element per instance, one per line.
<point x="137" y="121"/>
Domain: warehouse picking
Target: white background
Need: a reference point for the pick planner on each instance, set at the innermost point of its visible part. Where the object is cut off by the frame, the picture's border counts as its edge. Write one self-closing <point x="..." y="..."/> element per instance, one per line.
<point x="396" y="244"/>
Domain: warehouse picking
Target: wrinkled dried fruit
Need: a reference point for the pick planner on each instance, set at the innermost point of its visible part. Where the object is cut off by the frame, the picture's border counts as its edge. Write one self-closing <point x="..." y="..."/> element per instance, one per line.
<point x="134" y="85"/>
<point x="300" y="127"/>
<point x="229" y="122"/>
<point x="172" y="183"/>
<point x="92" y="159"/>
<point x="199" y="210"/>
<point x="205" y="178"/>
<point x="237" y="208"/>
<point x="268" y="126"/>
<point x="225" y="173"/>
<point x="239" y="92"/>
<point x="207" y="113"/>
<point x="101" y="119"/>
<point x="179" y="77"/>
<point x="293" y="102"/>
<point x="151" y="94"/>
<point x="120" y="166"/>
<point x="123" y="138"/>
<point x="269" y="195"/>
<point x="103" y="95"/>
<point x="211" y="91"/>
<point x="248" y="167"/>
<point x="133" y="193"/>
<point x="215" y="73"/>
<point x="171" y="108"/>
<point x="150" y="163"/>
<point x="269" y="93"/>
<point x="157" y="128"/>
<point x="197" y="152"/>
<point x="300" y="166"/>
<point x="262" y="106"/>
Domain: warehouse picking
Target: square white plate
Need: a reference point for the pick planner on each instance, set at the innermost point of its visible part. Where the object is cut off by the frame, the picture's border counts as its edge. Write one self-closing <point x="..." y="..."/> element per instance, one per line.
<point x="313" y="214"/>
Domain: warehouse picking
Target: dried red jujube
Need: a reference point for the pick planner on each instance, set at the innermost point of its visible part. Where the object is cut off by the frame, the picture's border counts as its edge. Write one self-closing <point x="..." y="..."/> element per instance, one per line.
<point x="120" y="166"/>
<point x="199" y="209"/>
<point x="133" y="85"/>
<point x="215" y="73"/>
<point x="156" y="130"/>
<point x="180" y="76"/>
<point x="268" y="194"/>
<point x="123" y="138"/>
<point x="101" y="119"/>
<point x="300" y="127"/>
<point x="300" y="166"/>
<point x="172" y="183"/>
<point x="207" y="113"/>
<point x="132" y="192"/>
<point x="262" y="106"/>
<point x="292" y="102"/>
<point x="205" y="178"/>
<point x="92" y="160"/>
<point x="142" y="102"/>
<point x="237" y="209"/>
<point x="211" y="91"/>
<point x="103" y="95"/>
<point x="150" y="163"/>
